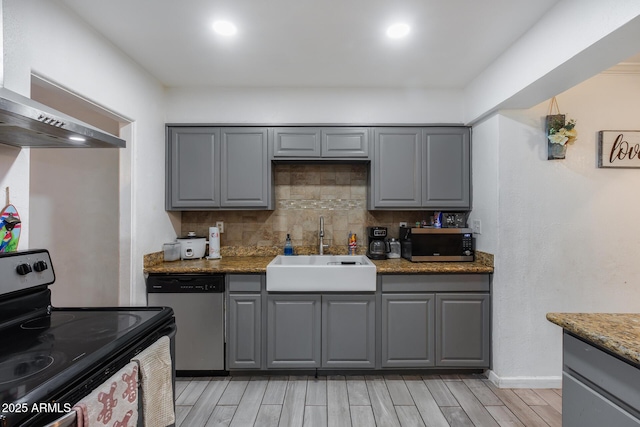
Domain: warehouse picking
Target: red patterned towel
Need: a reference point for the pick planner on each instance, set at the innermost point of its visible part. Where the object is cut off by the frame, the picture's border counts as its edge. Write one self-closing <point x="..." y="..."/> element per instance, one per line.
<point x="113" y="404"/>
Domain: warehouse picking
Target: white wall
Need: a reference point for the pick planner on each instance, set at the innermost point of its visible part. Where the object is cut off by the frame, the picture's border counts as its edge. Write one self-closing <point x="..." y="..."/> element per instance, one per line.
<point x="567" y="231"/>
<point x="77" y="58"/>
<point x="286" y="105"/>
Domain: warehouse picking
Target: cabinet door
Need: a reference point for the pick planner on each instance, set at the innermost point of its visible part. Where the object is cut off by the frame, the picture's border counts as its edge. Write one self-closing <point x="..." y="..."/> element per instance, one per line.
<point x="407" y="330"/>
<point x="345" y="142"/>
<point x="245" y="168"/>
<point x="463" y="330"/>
<point x="446" y="168"/>
<point x="296" y="142"/>
<point x="244" y="337"/>
<point x="193" y="172"/>
<point x="396" y="173"/>
<point x="293" y="331"/>
<point x="348" y="331"/>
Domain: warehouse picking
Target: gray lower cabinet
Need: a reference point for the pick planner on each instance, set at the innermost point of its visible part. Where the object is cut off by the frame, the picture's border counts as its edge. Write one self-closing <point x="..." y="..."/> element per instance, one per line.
<point x="218" y="168"/>
<point x="598" y="389"/>
<point x="421" y="168"/>
<point x="244" y="324"/>
<point x="244" y="331"/>
<point x="293" y="331"/>
<point x="462" y="330"/>
<point x="408" y="328"/>
<point x="348" y="331"/>
<point x="321" y="331"/>
<point x="436" y="320"/>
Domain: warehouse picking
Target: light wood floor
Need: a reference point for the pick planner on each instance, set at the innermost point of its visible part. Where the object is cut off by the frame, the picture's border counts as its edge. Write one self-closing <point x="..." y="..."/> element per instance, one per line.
<point x="390" y="400"/>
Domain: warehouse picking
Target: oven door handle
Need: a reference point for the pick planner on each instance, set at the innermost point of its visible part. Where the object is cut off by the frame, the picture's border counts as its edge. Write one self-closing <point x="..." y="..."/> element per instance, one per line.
<point x="69" y="419"/>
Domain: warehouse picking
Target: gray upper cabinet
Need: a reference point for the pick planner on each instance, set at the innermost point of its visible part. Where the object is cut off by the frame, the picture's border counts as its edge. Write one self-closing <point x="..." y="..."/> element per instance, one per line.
<point x="345" y="142"/>
<point x="296" y="142"/>
<point x="245" y="168"/>
<point x="218" y="168"/>
<point x="396" y="172"/>
<point x="446" y="172"/>
<point x="421" y="168"/>
<point x="325" y="143"/>
<point x="192" y="181"/>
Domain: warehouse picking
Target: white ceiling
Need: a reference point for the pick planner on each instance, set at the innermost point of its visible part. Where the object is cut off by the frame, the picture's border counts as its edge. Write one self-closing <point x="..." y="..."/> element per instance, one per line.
<point x="313" y="43"/>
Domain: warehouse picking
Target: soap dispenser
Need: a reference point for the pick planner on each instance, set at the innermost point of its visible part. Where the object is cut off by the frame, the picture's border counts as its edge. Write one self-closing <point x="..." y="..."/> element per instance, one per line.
<point x="288" y="247"/>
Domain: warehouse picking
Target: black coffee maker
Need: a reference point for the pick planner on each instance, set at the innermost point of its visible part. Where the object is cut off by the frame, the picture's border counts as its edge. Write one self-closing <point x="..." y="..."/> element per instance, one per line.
<point x="377" y="247"/>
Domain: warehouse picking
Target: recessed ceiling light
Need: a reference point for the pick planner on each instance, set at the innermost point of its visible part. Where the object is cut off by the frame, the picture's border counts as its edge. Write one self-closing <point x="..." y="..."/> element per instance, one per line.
<point x="398" y="30"/>
<point x="224" y="28"/>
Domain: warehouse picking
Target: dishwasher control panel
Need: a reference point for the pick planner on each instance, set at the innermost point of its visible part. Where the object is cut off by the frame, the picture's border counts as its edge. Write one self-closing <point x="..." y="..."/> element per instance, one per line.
<point x="185" y="283"/>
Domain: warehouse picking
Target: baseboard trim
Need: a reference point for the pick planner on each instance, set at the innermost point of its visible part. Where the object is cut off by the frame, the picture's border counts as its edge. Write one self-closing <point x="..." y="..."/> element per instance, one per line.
<point x="524" y="382"/>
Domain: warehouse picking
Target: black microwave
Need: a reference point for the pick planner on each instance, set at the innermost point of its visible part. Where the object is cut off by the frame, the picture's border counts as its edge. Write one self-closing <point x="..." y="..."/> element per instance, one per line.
<point x="436" y="244"/>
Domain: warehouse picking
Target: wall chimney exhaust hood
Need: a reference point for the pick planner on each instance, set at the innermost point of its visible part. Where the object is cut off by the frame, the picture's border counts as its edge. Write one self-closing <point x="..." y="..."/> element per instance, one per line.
<point x="27" y="123"/>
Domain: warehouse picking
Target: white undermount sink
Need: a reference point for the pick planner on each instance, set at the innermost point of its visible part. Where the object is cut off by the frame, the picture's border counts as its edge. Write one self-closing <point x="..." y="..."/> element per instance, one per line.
<point x="321" y="273"/>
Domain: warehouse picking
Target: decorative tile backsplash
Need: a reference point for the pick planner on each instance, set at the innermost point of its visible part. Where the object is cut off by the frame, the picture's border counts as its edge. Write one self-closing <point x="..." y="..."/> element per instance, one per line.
<point x="338" y="192"/>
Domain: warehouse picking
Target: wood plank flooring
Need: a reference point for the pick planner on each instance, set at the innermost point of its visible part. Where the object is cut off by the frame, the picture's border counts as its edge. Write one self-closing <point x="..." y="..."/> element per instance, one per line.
<point x="367" y="401"/>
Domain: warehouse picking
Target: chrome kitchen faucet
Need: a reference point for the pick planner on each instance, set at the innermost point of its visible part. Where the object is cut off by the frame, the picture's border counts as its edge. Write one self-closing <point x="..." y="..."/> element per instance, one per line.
<point x="321" y="237"/>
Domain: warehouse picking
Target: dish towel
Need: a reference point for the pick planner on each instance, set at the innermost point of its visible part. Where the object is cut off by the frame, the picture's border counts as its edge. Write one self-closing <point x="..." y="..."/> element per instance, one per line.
<point x="114" y="403"/>
<point x="156" y="384"/>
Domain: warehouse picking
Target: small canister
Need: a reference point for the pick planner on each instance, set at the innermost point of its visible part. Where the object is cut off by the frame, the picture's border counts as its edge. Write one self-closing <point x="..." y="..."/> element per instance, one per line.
<point x="171" y="251"/>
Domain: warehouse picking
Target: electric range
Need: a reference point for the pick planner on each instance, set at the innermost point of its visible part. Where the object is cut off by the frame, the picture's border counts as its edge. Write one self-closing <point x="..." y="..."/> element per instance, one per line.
<point x="50" y="358"/>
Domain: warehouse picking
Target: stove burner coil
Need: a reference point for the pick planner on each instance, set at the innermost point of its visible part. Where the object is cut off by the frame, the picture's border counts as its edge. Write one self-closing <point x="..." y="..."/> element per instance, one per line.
<point x="44" y="322"/>
<point x="24" y="366"/>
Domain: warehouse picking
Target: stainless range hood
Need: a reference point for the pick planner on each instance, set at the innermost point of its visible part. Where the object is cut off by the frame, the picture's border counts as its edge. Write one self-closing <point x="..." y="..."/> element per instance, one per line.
<point x="27" y="123"/>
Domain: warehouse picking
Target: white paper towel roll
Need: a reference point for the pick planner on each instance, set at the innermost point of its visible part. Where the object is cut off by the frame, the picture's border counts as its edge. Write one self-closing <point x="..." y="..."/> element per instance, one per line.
<point x="214" y="243"/>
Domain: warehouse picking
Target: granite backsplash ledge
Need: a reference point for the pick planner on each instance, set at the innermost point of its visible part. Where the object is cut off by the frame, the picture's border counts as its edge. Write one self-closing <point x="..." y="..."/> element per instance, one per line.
<point x="157" y="258"/>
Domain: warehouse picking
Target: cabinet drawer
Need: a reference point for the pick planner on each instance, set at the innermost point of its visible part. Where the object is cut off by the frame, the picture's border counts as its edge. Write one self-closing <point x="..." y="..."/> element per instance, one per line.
<point x="244" y="282"/>
<point x="436" y="283"/>
<point x="613" y="376"/>
<point x="584" y="407"/>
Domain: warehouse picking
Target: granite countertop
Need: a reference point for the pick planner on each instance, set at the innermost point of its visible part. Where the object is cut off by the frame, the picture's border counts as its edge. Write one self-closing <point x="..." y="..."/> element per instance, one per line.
<point x="618" y="333"/>
<point x="257" y="263"/>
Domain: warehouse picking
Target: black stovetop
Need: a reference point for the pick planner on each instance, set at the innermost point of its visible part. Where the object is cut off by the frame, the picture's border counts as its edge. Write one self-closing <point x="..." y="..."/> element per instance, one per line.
<point x="46" y="352"/>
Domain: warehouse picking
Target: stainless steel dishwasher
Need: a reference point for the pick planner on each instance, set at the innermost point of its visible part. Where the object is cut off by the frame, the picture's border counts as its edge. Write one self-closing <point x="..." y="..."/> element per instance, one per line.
<point x="198" y="305"/>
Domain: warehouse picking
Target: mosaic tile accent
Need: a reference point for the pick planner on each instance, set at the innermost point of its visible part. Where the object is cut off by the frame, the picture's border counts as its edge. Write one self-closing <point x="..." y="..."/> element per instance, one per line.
<point x="329" y="204"/>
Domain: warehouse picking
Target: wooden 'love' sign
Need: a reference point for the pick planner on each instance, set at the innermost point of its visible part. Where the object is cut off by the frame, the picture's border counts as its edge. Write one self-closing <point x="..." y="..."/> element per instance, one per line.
<point x="619" y="149"/>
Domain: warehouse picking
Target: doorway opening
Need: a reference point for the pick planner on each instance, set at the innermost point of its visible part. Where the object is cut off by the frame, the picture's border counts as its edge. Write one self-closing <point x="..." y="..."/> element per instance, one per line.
<point x="79" y="208"/>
